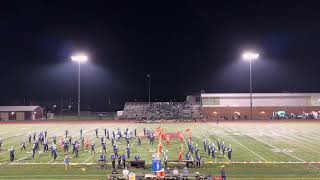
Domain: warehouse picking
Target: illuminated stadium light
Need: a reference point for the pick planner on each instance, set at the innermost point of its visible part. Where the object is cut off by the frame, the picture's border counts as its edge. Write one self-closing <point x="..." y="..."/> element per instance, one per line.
<point x="249" y="55"/>
<point x="79" y="58"/>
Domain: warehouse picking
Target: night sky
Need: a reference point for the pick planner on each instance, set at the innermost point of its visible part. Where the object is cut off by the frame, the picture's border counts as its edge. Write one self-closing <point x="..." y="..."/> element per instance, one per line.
<point x="186" y="46"/>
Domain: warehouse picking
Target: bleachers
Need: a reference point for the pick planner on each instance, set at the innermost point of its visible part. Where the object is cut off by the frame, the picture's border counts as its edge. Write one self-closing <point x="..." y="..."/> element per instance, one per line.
<point x="161" y="110"/>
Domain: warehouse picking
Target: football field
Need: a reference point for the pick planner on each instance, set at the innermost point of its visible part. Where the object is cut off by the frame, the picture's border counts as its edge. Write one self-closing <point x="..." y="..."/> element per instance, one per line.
<point x="261" y="150"/>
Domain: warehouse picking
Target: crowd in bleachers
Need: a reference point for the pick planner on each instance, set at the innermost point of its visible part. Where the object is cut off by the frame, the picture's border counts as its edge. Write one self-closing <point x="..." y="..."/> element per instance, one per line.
<point x="161" y="110"/>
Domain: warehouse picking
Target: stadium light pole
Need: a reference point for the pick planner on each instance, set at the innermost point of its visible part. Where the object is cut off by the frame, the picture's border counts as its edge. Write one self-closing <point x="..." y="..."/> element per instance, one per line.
<point x="250" y="56"/>
<point x="79" y="58"/>
<point x="149" y="88"/>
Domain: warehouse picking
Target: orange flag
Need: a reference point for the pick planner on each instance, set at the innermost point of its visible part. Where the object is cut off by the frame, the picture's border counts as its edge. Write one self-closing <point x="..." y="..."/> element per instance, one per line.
<point x="190" y="136"/>
<point x="180" y="155"/>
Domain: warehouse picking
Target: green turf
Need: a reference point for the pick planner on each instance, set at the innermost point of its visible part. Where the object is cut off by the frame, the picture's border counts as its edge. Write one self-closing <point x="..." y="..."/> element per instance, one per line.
<point x="262" y="150"/>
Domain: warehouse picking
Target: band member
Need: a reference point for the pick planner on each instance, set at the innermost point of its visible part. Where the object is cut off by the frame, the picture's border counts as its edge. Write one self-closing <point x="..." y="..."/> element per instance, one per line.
<point x="124" y="157"/>
<point x="97" y="132"/>
<point x="188" y="158"/>
<point x="93" y="150"/>
<point x="223" y="148"/>
<point x="113" y="161"/>
<point x="128" y="150"/>
<point x="11" y="152"/>
<point x="165" y="160"/>
<point x="198" y="160"/>
<point x="229" y="150"/>
<point x="23" y="146"/>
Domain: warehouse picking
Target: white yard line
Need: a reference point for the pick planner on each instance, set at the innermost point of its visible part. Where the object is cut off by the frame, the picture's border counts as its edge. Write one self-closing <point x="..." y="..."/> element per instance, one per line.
<point x="88" y="158"/>
<point x="248" y="149"/>
<point x="245" y="146"/>
<point x="50" y="161"/>
<point x="282" y="151"/>
<point x="278" y="148"/>
<point x="7" y="137"/>
<point x="296" y="143"/>
<point x="53" y="160"/>
<point x="134" y="142"/>
<point x="21" y="158"/>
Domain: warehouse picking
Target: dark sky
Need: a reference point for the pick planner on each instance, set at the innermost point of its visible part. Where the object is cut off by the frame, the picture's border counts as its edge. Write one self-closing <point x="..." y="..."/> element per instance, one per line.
<point x="186" y="46"/>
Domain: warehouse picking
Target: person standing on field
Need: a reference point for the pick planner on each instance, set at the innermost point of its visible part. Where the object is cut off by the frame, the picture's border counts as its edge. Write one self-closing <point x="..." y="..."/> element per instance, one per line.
<point x="223" y="173"/>
<point x="66" y="163"/>
<point x="11" y="152"/>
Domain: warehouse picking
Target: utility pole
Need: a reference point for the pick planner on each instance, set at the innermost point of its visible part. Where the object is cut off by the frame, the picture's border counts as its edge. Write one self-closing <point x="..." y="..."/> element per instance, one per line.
<point x="149" y="86"/>
<point x="61" y="107"/>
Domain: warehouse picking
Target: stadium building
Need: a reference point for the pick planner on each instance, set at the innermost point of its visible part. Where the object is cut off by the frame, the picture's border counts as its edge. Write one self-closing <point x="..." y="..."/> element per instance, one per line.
<point x="20" y="112"/>
<point x="264" y="105"/>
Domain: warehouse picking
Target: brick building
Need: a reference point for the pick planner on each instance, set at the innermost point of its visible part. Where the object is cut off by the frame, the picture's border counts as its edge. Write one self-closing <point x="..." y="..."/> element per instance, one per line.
<point x="264" y="104"/>
<point x="20" y="113"/>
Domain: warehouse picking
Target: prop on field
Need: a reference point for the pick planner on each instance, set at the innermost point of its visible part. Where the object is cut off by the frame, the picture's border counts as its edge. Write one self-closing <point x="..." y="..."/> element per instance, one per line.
<point x="155" y="156"/>
<point x="86" y="143"/>
<point x="161" y="133"/>
<point x="158" y="131"/>
<point x="190" y="136"/>
<point x="162" y="136"/>
<point x="180" y="155"/>
<point x="180" y="136"/>
<point x="156" y="162"/>
<point x="160" y="174"/>
<point x="167" y="140"/>
<point x="156" y="165"/>
<point x="167" y="136"/>
<point x="159" y="148"/>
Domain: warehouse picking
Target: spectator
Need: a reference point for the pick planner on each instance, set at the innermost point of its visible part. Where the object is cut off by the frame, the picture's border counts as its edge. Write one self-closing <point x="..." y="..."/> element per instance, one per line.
<point x="161" y="110"/>
<point x="175" y="172"/>
<point x="102" y="161"/>
<point x="125" y="173"/>
<point x="114" y="171"/>
<point x="185" y="172"/>
<point x="167" y="171"/>
<point x="67" y="163"/>
<point x="223" y="173"/>
<point x="197" y="176"/>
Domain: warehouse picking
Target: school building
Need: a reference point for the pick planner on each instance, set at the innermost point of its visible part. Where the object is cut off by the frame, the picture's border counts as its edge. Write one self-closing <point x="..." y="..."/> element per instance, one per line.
<point x="216" y="105"/>
<point x="20" y="113"/>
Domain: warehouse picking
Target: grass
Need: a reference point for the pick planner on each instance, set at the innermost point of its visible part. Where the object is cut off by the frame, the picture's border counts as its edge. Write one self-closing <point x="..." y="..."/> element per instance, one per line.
<point x="268" y="150"/>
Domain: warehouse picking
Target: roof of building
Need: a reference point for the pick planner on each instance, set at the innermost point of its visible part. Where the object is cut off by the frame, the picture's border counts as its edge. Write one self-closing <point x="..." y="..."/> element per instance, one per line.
<point x="260" y="94"/>
<point x="18" y="108"/>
